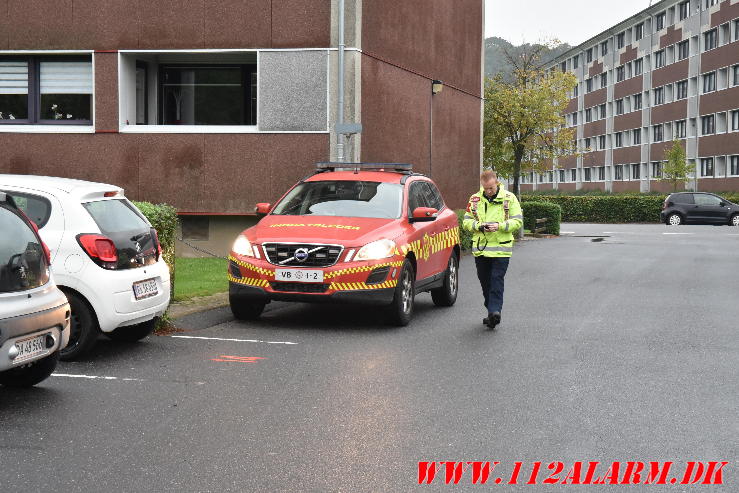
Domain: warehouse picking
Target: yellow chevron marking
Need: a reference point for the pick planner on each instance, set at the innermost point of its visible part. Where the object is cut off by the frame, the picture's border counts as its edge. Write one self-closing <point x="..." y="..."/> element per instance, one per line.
<point x="254" y="268"/>
<point x="263" y="283"/>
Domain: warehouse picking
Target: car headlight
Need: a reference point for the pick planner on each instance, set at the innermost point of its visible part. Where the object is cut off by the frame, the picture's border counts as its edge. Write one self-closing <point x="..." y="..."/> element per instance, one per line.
<point x="376" y="250"/>
<point x="243" y="247"/>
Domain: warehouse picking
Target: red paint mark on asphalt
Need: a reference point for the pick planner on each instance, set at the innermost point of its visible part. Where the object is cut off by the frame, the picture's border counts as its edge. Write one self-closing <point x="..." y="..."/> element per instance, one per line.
<point x="237" y="359"/>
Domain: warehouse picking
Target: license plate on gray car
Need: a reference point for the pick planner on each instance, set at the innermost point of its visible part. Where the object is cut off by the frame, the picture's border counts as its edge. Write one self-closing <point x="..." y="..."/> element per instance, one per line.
<point x="29" y="348"/>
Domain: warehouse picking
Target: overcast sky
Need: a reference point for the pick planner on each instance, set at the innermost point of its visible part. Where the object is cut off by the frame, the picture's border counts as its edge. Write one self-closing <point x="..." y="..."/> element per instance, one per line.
<point x="570" y="21"/>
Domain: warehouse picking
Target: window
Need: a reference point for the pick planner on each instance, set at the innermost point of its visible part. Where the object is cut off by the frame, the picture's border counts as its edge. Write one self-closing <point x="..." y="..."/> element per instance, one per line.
<point x="637" y="102"/>
<point x="619" y="106"/>
<point x="710" y="3"/>
<point x="735" y="120"/>
<point x="707" y="167"/>
<point x="587" y="144"/>
<point x="195" y="94"/>
<point x="734" y="160"/>
<point x="708" y="125"/>
<point x="573" y="174"/>
<point x="619" y="139"/>
<point x="574" y="119"/>
<point x="604" y="48"/>
<point x="575" y="91"/>
<point x="604" y="80"/>
<point x="38" y="209"/>
<point x="601" y="173"/>
<point x="620" y="40"/>
<point x="564" y="66"/>
<point x="710" y="39"/>
<point x="680" y="129"/>
<point x="575" y="61"/>
<point x="638" y="66"/>
<point x="684" y="9"/>
<point x="659" y="95"/>
<point x="589" y="85"/>
<point x="588" y="115"/>
<point x="586" y="171"/>
<point x="635" y="175"/>
<point x="660" y="21"/>
<point x="656" y="169"/>
<point x="618" y="172"/>
<point x="736" y="30"/>
<point x="736" y="75"/>
<point x="601" y="142"/>
<point x="683" y="50"/>
<point x="602" y="111"/>
<point x="639" y="31"/>
<point x="46" y="90"/>
<point x="682" y="90"/>
<point x="658" y="133"/>
<point x="589" y="55"/>
<point x="620" y="73"/>
<point x="709" y="82"/>
<point x="195" y="227"/>
<point x="659" y="59"/>
<point x="636" y="136"/>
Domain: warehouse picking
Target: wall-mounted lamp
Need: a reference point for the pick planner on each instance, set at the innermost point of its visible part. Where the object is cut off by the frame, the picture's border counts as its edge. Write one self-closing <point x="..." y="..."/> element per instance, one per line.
<point x="436" y="86"/>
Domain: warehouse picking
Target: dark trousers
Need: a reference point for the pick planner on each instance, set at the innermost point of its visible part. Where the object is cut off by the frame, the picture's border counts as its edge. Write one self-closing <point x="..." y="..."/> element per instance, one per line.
<point x="491" y="273"/>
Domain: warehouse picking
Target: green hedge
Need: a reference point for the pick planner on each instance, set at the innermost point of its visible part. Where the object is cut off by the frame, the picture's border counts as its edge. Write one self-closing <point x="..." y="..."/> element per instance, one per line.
<point x="163" y="218"/>
<point x="465" y="237"/>
<point x="540" y="210"/>
<point x="606" y="208"/>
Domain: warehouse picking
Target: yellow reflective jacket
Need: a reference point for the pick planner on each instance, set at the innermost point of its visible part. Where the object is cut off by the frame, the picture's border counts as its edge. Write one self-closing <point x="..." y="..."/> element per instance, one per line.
<point x="503" y="209"/>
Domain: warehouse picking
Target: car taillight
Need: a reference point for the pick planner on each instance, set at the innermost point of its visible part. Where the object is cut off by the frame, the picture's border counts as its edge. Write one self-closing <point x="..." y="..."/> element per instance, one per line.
<point x="155" y="235"/>
<point x="101" y="249"/>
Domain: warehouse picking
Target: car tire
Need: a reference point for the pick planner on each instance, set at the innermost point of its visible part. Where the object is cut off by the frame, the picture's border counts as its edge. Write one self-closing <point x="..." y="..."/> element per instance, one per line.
<point x="446" y="295"/>
<point x="134" y="333"/>
<point x="734" y="220"/>
<point x="674" y="219"/>
<point x="245" y="310"/>
<point x="83" y="330"/>
<point x="31" y="374"/>
<point x="400" y="311"/>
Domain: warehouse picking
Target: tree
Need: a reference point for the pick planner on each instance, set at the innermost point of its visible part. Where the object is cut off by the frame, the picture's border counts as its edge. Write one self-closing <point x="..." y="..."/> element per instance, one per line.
<point x="676" y="170"/>
<point x="524" y="117"/>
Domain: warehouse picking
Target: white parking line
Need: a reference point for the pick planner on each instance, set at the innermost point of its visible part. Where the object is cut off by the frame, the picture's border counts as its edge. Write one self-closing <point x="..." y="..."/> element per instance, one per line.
<point x="96" y="377"/>
<point x="234" y="340"/>
<point x="678" y="233"/>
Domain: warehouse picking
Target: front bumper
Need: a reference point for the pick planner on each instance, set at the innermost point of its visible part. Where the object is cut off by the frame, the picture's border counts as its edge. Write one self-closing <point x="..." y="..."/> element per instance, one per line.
<point x="254" y="280"/>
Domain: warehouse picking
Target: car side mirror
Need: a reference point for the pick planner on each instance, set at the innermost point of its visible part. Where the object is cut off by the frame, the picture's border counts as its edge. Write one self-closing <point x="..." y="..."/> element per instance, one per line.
<point x="424" y="214"/>
<point x="263" y="208"/>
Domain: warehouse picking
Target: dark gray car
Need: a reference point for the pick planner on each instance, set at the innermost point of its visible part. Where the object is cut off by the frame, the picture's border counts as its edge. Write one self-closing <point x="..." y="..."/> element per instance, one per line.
<point x="698" y="208"/>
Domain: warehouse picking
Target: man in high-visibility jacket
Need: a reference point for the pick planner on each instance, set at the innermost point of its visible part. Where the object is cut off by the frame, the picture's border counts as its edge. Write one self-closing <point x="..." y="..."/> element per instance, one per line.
<point x="493" y="216"/>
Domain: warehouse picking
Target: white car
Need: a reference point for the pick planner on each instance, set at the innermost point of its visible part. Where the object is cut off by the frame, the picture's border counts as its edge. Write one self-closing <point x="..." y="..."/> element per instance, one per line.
<point x="105" y="256"/>
<point x="34" y="314"/>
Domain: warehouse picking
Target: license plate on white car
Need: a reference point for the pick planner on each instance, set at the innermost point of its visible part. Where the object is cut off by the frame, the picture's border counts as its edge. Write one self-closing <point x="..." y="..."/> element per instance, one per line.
<point x="298" y="275"/>
<point x="145" y="289"/>
<point x="30" y="347"/>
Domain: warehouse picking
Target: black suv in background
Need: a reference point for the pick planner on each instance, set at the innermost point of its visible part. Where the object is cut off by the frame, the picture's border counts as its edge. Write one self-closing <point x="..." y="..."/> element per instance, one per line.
<point x="698" y="208"/>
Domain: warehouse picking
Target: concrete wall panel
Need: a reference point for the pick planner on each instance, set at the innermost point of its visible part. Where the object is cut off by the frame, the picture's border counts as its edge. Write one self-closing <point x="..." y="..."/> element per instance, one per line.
<point x="298" y="23"/>
<point x="627" y="121"/>
<point x="728" y="11"/>
<point x="625" y="186"/>
<point x="718" y="184"/>
<point x="670" y="112"/>
<point x="719" y="101"/>
<point x="106" y="91"/>
<point x="718" y="145"/>
<point x="437" y="38"/>
<point x="293" y="91"/>
<point x="170" y="24"/>
<point x="104" y="24"/>
<point x="597" y="158"/>
<point x="628" y="87"/>
<point x="670" y="37"/>
<point x="627" y="155"/>
<point x="671" y="73"/>
<point x="594" y="128"/>
<point x="237" y="24"/>
<point x="596" y="97"/>
<point x="723" y="56"/>
<point x="4" y="25"/>
<point x="32" y="25"/>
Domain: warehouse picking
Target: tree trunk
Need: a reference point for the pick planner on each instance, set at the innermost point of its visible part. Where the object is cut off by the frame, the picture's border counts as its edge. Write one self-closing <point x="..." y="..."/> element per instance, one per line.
<point x="517" y="158"/>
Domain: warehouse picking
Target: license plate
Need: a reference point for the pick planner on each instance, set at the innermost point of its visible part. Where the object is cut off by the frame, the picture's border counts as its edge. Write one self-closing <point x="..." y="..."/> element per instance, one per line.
<point x="299" y="275"/>
<point x="145" y="289"/>
<point x="30" y="348"/>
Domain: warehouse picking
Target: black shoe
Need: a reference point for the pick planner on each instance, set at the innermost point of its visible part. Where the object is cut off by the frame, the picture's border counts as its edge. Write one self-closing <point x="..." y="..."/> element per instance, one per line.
<point x="493" y="319"/>
<point x="485" y="321"/>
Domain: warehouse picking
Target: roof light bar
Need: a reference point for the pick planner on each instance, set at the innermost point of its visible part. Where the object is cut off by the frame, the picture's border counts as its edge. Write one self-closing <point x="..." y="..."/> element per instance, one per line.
<point x="365" y="166"/>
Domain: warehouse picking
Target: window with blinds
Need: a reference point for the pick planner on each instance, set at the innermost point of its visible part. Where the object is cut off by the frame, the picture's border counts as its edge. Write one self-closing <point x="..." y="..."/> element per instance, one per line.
<point x="46" y="90"/>
<point x="13" y="90"/>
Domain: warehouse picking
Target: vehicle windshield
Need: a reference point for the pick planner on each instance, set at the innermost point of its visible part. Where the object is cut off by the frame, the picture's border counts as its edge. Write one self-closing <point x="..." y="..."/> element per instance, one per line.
<point x="115" y="216"/>
<point x="343" y="198"/>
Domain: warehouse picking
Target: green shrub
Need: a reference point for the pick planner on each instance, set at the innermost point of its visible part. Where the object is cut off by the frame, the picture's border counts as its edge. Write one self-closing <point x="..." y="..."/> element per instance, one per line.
<point x="605" y="208"/>
<point x="163" y="218"/>
<point x="465" y="237"/>
<point x="540" y="210"/>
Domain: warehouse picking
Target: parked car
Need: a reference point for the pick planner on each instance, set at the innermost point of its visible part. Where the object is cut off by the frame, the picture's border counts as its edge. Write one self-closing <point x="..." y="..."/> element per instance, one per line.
<point x="105" y="256"/>
<point x="376" y="234"/>
<point x="34" y="313"/>
<point x="698" y="208"/>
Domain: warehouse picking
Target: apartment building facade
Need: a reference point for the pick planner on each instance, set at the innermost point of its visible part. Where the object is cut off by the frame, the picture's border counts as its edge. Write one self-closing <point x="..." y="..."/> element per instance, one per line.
<point x="669" y="72"/>
<point x="215" y="105"/>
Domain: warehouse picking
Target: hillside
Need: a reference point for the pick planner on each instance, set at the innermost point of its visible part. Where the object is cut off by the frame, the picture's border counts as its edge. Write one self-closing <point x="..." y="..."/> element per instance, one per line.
<point x="495" y="62"/>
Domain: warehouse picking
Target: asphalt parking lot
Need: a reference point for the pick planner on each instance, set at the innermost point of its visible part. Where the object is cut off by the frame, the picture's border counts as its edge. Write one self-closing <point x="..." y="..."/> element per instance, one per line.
<point x="618" y="342"/>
